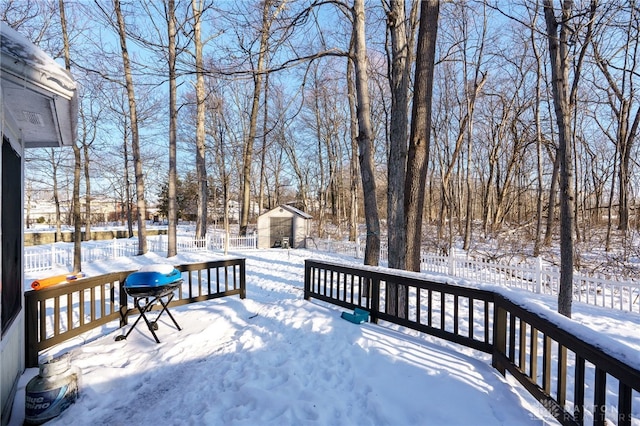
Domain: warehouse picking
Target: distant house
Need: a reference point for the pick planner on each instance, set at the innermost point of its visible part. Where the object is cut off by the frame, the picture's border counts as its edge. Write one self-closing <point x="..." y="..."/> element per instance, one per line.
<point x="102" y="210"/>
<point x="283" y="226"/>
<point x="38" y="108"/>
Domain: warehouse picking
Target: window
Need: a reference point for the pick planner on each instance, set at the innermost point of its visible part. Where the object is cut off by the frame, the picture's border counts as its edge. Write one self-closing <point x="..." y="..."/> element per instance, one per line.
<point x="11" y="236"/>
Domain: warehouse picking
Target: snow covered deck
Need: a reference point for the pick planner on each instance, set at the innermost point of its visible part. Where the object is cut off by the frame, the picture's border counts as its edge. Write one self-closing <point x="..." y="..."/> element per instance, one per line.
<point x="274" y="358"/>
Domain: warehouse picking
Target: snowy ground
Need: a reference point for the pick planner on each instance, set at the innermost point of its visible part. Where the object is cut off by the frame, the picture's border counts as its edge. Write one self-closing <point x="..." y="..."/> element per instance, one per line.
<point x="275" y="358"/>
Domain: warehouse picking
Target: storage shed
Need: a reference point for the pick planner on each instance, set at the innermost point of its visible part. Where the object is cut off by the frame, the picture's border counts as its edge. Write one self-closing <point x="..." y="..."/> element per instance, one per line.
<point x="285" y="226"/>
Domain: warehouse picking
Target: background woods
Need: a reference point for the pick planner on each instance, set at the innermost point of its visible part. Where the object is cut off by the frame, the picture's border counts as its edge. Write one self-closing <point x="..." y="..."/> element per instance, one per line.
<point x="219" y="111"/>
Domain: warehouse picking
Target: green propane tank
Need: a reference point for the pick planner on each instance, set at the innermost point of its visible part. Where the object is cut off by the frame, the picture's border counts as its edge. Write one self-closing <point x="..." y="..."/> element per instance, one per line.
<point x="51" y="391"/>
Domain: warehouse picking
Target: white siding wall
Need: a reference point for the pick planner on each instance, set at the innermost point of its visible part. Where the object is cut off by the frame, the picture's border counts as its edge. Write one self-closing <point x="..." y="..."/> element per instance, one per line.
<point x="11" y="365"/>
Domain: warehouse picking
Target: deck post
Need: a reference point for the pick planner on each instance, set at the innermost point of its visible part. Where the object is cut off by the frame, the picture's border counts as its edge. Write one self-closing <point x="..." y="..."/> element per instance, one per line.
<point x="243" y="281"/>
<point x="499" y="336"/>
<point x="31" y="330"/>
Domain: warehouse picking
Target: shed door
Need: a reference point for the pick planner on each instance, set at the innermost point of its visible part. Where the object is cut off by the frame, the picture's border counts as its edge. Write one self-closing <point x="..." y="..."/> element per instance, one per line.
<point x="280" y="227"/>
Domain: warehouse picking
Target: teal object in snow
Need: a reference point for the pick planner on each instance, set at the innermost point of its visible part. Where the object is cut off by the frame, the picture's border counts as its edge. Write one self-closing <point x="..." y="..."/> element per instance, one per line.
<point x="358" y="316"/>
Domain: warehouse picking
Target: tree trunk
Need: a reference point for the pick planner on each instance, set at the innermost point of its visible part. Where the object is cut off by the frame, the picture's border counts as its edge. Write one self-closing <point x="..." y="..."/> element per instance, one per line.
<point x="172" y="243"/>
<point x="322" y="184"/>
<point x="553" y="190"/>
<point x="419" y="140"/>
<point x="300" y="174"/>
<point x="87" y="196"/>
<point x="621" y="97"/>
<point x="77" y="167"/>
<point x="607" y="241"/>
<point x="263" y="151"/>
<point x="56" y="195"/>
<point x="479" y="79"/>
<point x="565" y="99"/>
<point x="135" y="139"/>
<point x="224" y="175"/>
<point x="354" y="168"/>
<point x="127" y="183"/>
<point x="365" y="137"/>
<point x="401" y="61"/>
<point x="538" y="128"/>
<point x="247" y="155"/>
<point x="625" y="155"/>
<point x="201" y="167"/>
<point x="558" y="52"/>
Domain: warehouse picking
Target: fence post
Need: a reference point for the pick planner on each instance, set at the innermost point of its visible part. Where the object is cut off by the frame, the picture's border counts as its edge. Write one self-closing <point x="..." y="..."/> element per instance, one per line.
<point x="538" y="274"/>
<point x="452" y="261"/>
<point x="114" y="248"/>
<point x="53" y="255"/>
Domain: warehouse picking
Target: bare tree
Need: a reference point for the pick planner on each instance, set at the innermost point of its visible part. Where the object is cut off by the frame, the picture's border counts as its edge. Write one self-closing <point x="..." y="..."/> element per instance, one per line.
<point x="56" y="193"/>
<point x="268" y="18"/>
<point x="135" y="137"/>
<point x="173" y="124"/>
<point x="77" y="221"/>
<point x="402" y="41"/>
<point x="354" y="166"/>
<point x="88" y="124"/>
<point x="90" y="115"/>
<point x="553" y="192"/>
<point x="559" y="33"/>
<point x="620" y="73"/>
<point x="419" y="140"/>
<point x="218" y="129"/>
<point x="471" y="93"/>
<point x="539" y="139"/>
<point x="117" y="107"/>
<point x="365" y="136"/>
<point x="201" y="169"/>
<point x="264" y="148"/>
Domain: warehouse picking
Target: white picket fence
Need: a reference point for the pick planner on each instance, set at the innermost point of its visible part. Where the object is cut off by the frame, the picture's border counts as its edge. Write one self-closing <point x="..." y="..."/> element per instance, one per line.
<point x="537" y="276"/>
<point x="621" y="293"/>
<point x="45" y="257"/>
<point x="236" y="242"/>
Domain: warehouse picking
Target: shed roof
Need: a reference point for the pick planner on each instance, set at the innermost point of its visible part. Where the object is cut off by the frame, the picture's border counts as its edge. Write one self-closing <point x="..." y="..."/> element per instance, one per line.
<point x="292" y="210"/>
<point x="297" y="211"/>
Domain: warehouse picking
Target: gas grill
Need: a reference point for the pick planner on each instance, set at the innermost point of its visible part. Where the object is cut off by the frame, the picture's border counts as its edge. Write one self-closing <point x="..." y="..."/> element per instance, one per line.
<point x="151" y="285"/>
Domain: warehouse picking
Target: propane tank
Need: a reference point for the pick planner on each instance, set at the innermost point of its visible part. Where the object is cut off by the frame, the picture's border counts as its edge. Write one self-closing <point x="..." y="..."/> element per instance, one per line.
<point x="53" y="390"/>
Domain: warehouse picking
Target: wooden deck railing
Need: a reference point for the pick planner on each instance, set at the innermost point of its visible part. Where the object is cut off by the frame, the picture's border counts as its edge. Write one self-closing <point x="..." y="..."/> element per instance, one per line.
<point x="572" y="379"/>
<point x="535" y="275"/>
<point x="56" y="314"/>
